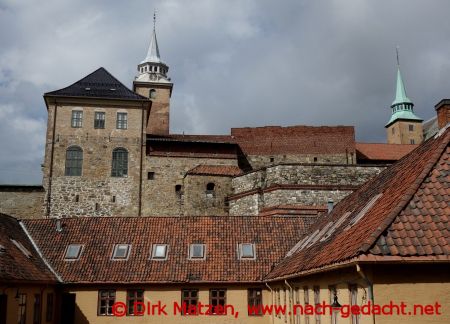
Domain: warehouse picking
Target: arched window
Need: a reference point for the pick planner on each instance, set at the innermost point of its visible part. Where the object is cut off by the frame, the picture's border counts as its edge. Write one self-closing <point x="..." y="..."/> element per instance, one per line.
<point x="74" y="161"/>
<point x="152" y="94"/>
<point x="119" y="163"/>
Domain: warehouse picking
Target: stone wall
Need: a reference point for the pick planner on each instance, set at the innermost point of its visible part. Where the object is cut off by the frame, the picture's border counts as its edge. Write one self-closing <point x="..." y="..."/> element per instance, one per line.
<point x="22" y="201"/>
<point x="297" y="184"/>
<point x="160" y="198"/>
<point x="261" y="161"/>
<point x="96" y="192"/>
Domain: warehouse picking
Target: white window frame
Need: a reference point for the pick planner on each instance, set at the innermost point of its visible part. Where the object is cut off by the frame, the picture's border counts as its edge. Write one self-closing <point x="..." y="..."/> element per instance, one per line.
<point x="241" y="254"/>
<point x="154" y="248"/>
<point x="191" y="251"/>
<point x="80" y="251"/>
<point x="116" y="247"/>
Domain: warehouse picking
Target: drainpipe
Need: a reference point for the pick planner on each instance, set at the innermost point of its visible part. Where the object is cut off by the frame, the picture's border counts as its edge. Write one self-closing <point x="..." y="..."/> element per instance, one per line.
<point x="291" y="300"/>
<point x="50" y="176"/>
<point x="273" y="302"/>
<point x="369" y="285"/>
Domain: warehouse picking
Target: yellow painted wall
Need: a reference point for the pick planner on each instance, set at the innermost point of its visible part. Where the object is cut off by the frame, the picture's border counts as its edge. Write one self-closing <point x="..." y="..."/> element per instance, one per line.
<point x="30" y="291"/>
<point x="86" y="305"/>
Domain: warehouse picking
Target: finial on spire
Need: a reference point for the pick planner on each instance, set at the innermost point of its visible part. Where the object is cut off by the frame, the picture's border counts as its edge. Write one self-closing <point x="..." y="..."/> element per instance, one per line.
<point x="398" y="59"/>
<point x="154" y="19"/>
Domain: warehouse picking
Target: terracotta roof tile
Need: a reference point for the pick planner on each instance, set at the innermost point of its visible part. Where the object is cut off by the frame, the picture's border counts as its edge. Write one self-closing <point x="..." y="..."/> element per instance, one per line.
<point x="220" y="234"/>
<point x="216" y="170"/>
<point x="382" y="231"/>
<point x="382" y="152"/>
<point x="14" y="264"/>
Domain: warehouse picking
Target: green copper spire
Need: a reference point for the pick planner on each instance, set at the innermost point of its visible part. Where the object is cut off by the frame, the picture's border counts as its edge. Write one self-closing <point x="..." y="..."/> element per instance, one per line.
<point x="402" y="106"/>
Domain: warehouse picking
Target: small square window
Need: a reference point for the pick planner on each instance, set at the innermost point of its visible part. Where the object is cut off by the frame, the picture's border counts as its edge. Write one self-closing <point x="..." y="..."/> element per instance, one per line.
<point x="73" y="251"/>
<point x="197" y="251"/>
<point x="150" y="175"/>
<point x="121" y="251"/>
<point x="246" y="251"/>
<point x="411" y="128"/>
<point x="159" y="252"/>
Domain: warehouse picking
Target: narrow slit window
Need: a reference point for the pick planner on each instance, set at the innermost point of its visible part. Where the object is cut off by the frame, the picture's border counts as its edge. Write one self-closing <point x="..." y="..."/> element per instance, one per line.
<point x="121" y="251"/>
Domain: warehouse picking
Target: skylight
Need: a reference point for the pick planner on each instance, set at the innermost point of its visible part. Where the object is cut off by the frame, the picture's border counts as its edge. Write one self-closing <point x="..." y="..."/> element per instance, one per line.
<point x="73" y="252"/>
<point x="121" y="251"/>
<point x="22" y="248"/>
<point x="197" y="251"/>
<point x="159" y="252"/>
<point x="363" y="211"/>
<point x="247" y="251"/>
<point x="335" y="226"/>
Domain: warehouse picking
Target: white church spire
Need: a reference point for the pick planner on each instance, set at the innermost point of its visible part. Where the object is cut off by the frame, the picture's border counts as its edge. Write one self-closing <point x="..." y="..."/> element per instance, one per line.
<point x="152" y="68"/>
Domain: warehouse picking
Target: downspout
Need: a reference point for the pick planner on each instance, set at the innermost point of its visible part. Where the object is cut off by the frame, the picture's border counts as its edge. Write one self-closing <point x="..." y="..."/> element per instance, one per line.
<point x="273" y="302"/>
<point x="140" y="168"/>
<point x="291" y="300"/>
<point x="50" y="176"/>
<point x="369" y="285"/>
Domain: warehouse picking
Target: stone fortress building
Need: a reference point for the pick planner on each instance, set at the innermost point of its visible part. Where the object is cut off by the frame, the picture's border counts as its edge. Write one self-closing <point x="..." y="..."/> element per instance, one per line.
<point x="109" y="152"/>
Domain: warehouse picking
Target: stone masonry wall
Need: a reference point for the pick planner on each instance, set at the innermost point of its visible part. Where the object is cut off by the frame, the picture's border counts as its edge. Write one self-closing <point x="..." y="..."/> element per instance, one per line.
<point x="260" y="161"/>
<point x="159" y="196"/>
<point x="22" y="201"/>
<point x="301" y="184"/>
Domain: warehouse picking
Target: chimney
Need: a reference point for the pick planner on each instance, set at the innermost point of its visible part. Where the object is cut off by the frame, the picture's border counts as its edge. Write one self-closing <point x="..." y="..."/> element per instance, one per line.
<point x="58" y="225"/>
<point x="330" y="205"/>
<point x="443" y="112"/>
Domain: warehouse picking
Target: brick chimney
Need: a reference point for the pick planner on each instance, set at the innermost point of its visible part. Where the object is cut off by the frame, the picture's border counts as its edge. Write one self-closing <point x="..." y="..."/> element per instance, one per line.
<point x="443" y="112"/>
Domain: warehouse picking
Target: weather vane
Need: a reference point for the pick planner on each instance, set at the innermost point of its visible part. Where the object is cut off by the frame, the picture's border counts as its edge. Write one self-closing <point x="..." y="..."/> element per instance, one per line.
<point x="398" y="59"/>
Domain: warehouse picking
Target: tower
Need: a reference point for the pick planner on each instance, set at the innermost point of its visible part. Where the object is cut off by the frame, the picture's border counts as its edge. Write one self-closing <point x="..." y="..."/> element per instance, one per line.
<point x="404" y="127"/>
<point x="152" y="82"/>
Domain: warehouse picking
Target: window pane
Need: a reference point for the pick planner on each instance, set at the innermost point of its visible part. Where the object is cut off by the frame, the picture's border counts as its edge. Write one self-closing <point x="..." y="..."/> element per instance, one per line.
<point x="160" y="251"/>
<point x="247" y="250"/>
<point x="119" y="163"/>
<point x="99" y="121"/>
<point x="73" y="251"/>
<point x="74" y="161"/>
<point x="121" y="252"/>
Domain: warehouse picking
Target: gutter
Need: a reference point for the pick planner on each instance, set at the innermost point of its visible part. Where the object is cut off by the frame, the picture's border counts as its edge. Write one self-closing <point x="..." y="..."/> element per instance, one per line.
<point x="22" y="225"/>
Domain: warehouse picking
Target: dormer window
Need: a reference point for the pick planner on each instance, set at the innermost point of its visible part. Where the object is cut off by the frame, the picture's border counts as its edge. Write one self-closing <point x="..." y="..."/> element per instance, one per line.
<point x="246" y="251"/>
<point x="159" y="252"/>
<point x="197" y="251"/>
<point x="121" y="251"/>
<point x="73" y="252"/>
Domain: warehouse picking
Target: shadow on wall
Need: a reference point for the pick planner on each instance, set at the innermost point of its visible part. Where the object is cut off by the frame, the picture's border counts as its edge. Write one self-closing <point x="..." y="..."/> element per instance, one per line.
<point x="79" y="316"/>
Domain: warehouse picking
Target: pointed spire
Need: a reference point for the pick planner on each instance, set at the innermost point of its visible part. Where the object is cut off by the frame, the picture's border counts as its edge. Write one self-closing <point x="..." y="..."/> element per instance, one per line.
<point x="153" y="50"/>
<point x="400" y="94"/>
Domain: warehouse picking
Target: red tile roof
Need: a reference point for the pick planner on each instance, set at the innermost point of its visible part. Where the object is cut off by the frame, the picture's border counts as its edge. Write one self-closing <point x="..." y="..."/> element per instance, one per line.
<point x="216" y="170"/>
<point x="220" y="234"/>
<point x="410" y="218"/>
<point x="15" y="266"/>
<point x="382" y="152"/>
<point x="295" y="140"/>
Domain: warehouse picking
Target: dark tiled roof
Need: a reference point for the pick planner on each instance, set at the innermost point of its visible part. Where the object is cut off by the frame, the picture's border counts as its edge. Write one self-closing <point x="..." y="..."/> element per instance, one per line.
<point x="216" y="170"/>
<point x="410" y="218"/>
<point x="14" y="264"/>
<point x="220" y="234"/>
<point x="98" y="84"/>
<point x="295" y="140"/>
<point x="382" y="152"/>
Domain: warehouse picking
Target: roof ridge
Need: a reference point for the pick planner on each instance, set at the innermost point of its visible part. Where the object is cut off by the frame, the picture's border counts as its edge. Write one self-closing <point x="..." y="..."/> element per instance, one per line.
<point x="409" y="194"/>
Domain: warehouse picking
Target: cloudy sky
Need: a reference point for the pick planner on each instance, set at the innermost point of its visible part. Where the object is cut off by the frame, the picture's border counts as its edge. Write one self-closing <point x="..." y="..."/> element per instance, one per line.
<point x="234" y="63"/>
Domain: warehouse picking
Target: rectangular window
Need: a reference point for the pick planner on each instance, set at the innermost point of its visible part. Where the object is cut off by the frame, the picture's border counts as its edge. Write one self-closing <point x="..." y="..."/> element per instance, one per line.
<point x="150" y="175"/>
<point x="159" y="252"/>
<point x="306" y="300"/>
<point x="134" y="299"/>
<point x="197" y="251"/>
<point x="122" y="121"/>
<point x="255" y="301"/>
<point x="334" y="312"/>
<point x="412" y="141"/>
<point x="317" y="301"/>
<point x="37" y="309"/>
<point x="22" y="310"/>
<point x="121" y="251"/>
<point x="99" y="120"/>
<point x="49" y="312"/>
<point x="354" y="301"/>
<point x="77" y="118"/>
<point x="73" y="251"/>
<point x="218" y="300"/>
<point x="411" y="128"/>
<point x="189" y="298"/>
<point x="246" y="251"/>
<point x="106" y="300"/>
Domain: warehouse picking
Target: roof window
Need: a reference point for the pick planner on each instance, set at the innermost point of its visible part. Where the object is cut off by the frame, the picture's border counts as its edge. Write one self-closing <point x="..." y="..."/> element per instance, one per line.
<point x="197" y="251"/>
<point x="23" y="249"/>
<point x="363" y="211"/>
<point x="159" y="252"/>
<point x="73" y="252"/>
<point x="246" y="251"/>
<point x="121" y="251"/>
